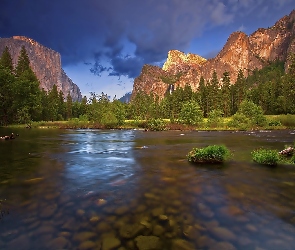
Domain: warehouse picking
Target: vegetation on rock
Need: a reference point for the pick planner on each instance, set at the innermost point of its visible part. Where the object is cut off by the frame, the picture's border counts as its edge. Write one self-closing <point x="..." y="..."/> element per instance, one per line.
<point x="266" y="157"/>
<point x="209" y="154"/>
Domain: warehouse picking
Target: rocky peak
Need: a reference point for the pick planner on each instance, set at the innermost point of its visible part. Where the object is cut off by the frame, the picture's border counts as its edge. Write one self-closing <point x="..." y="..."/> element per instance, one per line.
<point x="178" y="61"/>
<point x="45" y="63"/>
<point x="241" y="52"/>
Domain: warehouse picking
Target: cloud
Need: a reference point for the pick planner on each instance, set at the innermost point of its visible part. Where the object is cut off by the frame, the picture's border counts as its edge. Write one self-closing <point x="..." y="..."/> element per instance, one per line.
<point x="103" y="31"/>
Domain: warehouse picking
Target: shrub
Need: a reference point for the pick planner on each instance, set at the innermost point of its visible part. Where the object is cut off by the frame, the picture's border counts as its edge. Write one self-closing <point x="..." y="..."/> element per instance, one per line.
<point x="274" y="123"/>
<point x="209" y="154"/>
<point x="253" y="112"/>
<point x="214" y="118"/>
<point x="266" y="156"/>
<point x="190" y="113"/>
<point x="156" y="124"/>
<point x="109" y="120"/>
<point x="239" y="121"/>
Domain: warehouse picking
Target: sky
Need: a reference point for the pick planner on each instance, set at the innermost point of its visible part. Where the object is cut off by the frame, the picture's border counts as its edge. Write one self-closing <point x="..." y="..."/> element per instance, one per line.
<point x="104" y="43"/>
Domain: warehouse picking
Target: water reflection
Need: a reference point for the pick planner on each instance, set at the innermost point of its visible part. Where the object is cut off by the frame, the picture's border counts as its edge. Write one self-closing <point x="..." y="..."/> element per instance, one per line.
<point x="93" y="189"/>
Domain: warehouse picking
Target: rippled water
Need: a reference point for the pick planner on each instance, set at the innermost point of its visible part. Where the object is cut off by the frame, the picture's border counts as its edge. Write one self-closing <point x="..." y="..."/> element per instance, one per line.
<point x="95" y="189"/>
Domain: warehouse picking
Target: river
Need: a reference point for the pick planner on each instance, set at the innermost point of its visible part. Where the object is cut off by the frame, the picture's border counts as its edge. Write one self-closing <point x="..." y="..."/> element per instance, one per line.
<point x="130" y="189"/>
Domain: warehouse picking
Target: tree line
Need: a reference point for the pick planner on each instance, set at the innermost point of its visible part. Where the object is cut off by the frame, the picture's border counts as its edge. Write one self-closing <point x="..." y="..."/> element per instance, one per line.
<point x="22" y="101"/>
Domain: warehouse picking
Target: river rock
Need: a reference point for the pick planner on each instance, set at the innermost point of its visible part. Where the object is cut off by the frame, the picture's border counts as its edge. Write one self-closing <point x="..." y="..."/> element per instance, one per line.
<point x="70" y="225"/>
<point x="158" y="230"/>
<point x="21" y="241"/>
<point x="180" y="244"/>
<point x="148" y="243"/>
<point x="223" y="246"/>
<point x="191" y="232"/>
<point x="129" y="231"/>
<point x="251" y="228"/>
<point x="80" y="212"/>
<point x="94" y="219"/>
<point x="84" y="236"/>
<point x="103" y="227"/>
<point x="45" y="229"/>
<point x="206" y="242"/>
<point x="59" y="243"/>
<point x="33" y="181"/>
<point x="48" y="211"/>
<point x="223" y="233"/>
<point x="157" y="211"/>
<point x="110" y="243"/>
<point x="86" y="245"/>
<point x="121" y="210"/>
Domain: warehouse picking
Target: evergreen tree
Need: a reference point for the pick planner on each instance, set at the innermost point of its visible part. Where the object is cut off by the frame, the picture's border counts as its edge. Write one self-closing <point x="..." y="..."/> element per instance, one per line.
<point x="6" y="60"/>
<point x="23" y="63"/>
<point x="203" y="96"/>
<point x="61" y="106"/>
<point x="225" y="94"/>
<point x="238" y="91"/>
<point x="69" y="106"/>
<point x="53" y="103"/>
<point x="214" y="93"/>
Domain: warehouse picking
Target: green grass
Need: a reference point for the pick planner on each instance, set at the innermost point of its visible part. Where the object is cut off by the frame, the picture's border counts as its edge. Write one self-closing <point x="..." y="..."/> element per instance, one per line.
<point x="209" y="154"/>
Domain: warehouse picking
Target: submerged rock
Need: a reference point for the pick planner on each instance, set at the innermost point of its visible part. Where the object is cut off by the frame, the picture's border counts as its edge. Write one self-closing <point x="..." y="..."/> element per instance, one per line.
<point x="148" y="243"/>
<point x="180" y="244"/>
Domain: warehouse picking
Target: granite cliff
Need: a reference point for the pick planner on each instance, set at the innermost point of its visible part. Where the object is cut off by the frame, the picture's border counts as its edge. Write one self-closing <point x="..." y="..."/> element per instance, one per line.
<point x="240" y="52"/>
<point x="45" y="62"/>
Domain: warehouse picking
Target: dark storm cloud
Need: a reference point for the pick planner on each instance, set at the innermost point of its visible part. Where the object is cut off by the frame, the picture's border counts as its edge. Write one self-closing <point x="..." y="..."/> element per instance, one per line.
<point x="104" y="31"/>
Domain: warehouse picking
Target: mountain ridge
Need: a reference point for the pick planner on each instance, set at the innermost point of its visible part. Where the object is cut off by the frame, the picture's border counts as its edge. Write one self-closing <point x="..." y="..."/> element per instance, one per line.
<point x="45" y="63"/>
<point x="240" y="52"/>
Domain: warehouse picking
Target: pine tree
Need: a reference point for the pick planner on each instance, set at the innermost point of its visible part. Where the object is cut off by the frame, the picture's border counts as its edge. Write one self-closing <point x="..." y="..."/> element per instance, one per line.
<point x="6" y="60"/>
<point x="69" y="106"/>
<point x="202" y="93"/>
<point x="225" y="94"/>
<point x="23" y="63"/>
<point x="214" y="93"/>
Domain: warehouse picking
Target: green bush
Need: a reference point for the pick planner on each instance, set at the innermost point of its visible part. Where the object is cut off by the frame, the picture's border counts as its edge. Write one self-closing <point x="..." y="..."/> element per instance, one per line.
<point x="109" y="120"/>
<point x="274" y="123"/>
<point x="266" y="157"/>
<point x="214" y="118"/>
<point x="253" y="112"/>
<point x="239" y="121"/>
<point x="156" y="124"/>
<point x="209" y="154"/>
<point x="190" y="113"/>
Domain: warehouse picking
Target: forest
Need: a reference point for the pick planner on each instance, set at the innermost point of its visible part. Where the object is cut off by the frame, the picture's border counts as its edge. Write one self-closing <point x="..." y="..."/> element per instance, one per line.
<point x="268" y="91"/>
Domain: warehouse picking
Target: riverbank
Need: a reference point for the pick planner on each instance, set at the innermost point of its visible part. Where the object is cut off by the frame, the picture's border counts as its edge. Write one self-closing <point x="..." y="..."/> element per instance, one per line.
<point x="274" y="122"/>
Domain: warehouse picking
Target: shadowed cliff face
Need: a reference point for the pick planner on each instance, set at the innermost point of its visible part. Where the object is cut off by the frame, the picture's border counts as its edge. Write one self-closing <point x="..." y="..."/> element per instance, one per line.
<point x="45" y="62"/>
<point x="240" y="52"/>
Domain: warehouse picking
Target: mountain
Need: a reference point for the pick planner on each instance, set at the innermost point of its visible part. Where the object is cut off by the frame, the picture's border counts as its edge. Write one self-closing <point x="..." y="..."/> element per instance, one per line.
<point x="125" y="98"/>
<point x="241" y="52"/>
<point x="45" y="62"/>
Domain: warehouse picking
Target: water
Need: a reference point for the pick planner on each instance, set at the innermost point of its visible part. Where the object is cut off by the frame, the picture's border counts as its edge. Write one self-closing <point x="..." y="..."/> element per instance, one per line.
<point x="95" y="189"/>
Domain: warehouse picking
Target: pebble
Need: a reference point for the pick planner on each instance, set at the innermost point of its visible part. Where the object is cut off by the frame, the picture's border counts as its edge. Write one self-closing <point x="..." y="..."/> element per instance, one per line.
<point x="148" y="243"/>
<point x="180" y="244"/>
<point x="110" y="243"/>
<point x="223" y="233"/>
<point x="84" y="236"/>
<point x="158" y="230"/>
<point x="129" y="231"/>
<point x="48" y="211"/>
<point x="87" y="245"/>
<point x="223" y="246"/>
<point x="59" y="243"/>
